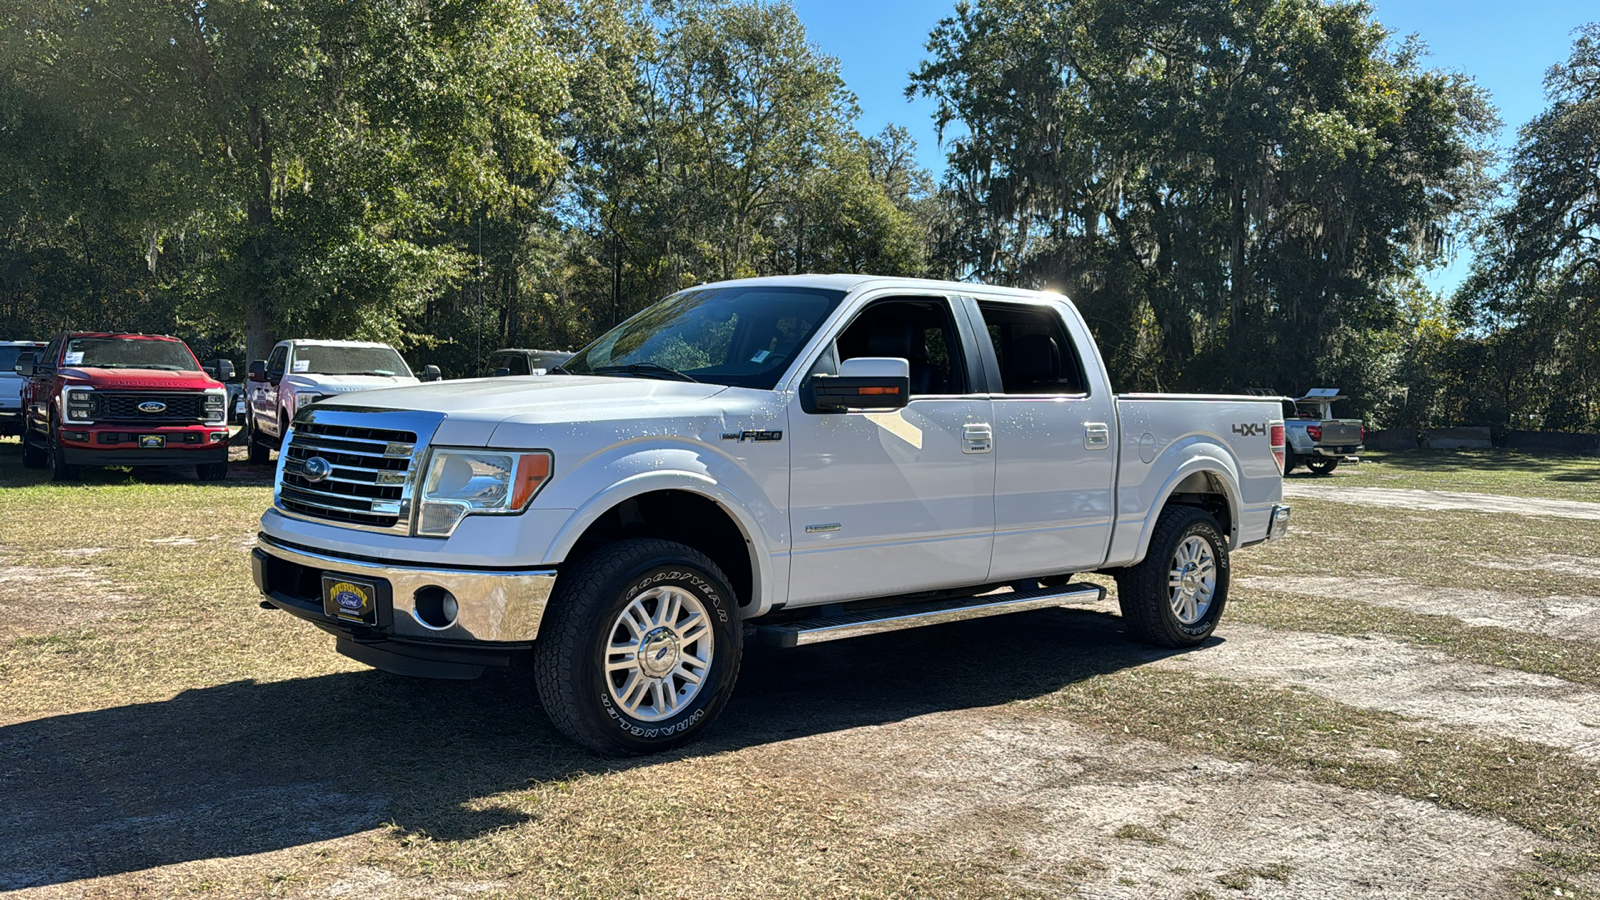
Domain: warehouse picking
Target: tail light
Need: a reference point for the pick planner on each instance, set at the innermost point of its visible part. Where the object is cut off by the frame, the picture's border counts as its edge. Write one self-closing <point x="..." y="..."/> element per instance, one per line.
<point x="1277" y="445"/>
<point x="1363" y="434"/>
<point x="1315" y="431"/>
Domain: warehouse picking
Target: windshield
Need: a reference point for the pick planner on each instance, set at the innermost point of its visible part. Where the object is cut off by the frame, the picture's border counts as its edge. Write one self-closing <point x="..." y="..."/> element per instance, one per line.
<point x="314" y="360"/>
<point x="130" y="353"/>
<point x="738" y="336"/>
<point x="8" y="357"/>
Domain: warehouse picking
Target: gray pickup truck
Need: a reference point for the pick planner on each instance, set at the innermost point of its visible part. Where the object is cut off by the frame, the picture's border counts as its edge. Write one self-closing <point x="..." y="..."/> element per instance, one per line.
<point x="1317" y="440"/>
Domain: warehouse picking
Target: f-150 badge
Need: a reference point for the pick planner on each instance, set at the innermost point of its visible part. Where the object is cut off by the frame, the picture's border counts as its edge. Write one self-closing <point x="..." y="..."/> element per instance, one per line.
<point x="757" y="436"/>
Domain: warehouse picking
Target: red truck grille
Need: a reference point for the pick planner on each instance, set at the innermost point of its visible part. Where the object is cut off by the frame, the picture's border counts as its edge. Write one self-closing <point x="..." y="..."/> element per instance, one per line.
<point x="367" y="472"/>
<point x="117" y="406"/>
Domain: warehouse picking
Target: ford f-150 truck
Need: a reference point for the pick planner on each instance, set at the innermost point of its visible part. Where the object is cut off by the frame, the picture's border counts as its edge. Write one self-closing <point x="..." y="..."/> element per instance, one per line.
<point x="101" y="399"/>
<point x="1317" y="440"/>
<point x="790" y="460"/>
<point x="300" y="372"/>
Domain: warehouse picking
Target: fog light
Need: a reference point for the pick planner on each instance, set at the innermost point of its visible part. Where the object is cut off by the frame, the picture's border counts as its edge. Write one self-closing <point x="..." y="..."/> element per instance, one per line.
<point x="435" y="608"/>
<point x="218" y="436"/>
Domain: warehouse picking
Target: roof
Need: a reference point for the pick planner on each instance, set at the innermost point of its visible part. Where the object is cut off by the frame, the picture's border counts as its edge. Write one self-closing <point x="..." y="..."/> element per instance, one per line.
<point x="22" y="343"/>
<point x="316" y="342"/>
<point x="850" y="282"/>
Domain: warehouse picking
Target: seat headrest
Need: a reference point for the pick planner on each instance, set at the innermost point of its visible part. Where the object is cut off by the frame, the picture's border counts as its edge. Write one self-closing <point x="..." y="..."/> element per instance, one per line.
<point x="891" y="341"/>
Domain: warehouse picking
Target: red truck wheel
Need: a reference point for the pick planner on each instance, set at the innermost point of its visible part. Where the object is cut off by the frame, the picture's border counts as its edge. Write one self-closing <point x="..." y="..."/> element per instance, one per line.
<point x="59" y="469"/>
<point x="33" y="455"/>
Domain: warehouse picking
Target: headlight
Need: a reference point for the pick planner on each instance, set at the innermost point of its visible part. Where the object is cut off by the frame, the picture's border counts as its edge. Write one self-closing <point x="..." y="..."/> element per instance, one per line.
<point x="301" y="401"/>
<point x="460" y="483"/>
<point x="216" y="406"/>
<point x="80" y="405"/>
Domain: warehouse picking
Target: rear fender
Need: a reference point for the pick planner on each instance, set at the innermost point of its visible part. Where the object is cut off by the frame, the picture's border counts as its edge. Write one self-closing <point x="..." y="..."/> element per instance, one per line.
<point x="1211" y="464"/>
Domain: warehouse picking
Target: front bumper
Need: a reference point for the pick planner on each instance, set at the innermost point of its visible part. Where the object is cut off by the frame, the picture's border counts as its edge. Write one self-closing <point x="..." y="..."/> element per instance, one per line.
<point x="10" y="421"/>
<point x="121" y="445"/>
<point x="499" y="610"/>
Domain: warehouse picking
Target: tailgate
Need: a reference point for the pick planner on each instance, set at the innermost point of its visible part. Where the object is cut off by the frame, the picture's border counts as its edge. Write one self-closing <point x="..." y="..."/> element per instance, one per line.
<point x="1340" y="432"/>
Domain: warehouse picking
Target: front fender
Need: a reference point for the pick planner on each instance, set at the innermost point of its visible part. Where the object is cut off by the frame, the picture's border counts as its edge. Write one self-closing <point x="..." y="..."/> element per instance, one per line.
<point x="601" y="483"/>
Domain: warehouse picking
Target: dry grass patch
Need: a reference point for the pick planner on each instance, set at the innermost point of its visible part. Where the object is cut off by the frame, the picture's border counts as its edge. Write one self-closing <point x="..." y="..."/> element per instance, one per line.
<point x="1475" y="471"/>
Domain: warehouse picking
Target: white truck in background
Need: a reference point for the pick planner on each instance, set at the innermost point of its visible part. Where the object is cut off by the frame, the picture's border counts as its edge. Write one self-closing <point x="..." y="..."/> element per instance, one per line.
<point x="791" y="460"/>
<point x="1316" y="439"/>
<point x="300" y="372"/>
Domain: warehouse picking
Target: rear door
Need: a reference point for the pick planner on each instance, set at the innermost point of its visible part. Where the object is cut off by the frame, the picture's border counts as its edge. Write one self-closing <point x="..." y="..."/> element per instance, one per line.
<point x="1055" y="469"/>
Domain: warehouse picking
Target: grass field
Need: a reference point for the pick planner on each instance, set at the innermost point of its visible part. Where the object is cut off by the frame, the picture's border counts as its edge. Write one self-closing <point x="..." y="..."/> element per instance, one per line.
<point x="1398" y="703"/>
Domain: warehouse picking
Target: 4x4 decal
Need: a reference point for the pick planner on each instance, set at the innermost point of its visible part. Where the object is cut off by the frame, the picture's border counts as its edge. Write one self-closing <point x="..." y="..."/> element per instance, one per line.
<point x="1250" y="429"/>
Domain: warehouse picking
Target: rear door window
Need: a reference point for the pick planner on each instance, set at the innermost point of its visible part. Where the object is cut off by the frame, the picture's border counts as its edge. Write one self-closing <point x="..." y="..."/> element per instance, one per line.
<point x="1035" y="354"/>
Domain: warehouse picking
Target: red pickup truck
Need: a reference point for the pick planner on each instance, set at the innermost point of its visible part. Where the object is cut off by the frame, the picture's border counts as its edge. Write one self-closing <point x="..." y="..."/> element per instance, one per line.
<point x="99" y="399"/>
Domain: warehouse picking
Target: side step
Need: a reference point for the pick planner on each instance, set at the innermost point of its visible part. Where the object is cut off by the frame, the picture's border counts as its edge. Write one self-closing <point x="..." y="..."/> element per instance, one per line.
<point x="916" y="615"/>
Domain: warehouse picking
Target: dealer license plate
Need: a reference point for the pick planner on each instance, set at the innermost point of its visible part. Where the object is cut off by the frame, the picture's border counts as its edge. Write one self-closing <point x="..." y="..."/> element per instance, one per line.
<point x="350" y="599"/>
<point x="152" y="441"/>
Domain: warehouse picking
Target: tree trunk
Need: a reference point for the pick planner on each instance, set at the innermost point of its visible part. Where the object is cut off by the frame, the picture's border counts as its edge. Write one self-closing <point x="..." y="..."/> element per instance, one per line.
<point x="258" y="336"/>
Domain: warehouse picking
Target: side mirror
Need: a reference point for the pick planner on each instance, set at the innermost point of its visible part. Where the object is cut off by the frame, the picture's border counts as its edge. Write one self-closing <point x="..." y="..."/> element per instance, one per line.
<point x="221" y="369"/>
<point x="431" y="373"/>
<point x="502" y="372"/>
<point x="867" y="382"/>
<point x="258" y="370"/>
<point x="24" y="366"/>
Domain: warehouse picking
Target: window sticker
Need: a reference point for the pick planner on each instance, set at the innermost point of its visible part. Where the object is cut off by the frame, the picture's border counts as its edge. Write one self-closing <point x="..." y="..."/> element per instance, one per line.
<point x="761" y="357"/>
<point x="74" y="359"/>
<point x="302" y="365"/>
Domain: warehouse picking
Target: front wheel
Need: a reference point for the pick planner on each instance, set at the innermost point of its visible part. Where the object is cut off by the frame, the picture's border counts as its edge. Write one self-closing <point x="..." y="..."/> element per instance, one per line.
<point x="59" y="469"/>
<point x="33" y="455"/>
<point x="259" y="453"/>
<point x="1176" y="595"/>
<point x="1322" y="465"/>
<point x="639" y="648"/>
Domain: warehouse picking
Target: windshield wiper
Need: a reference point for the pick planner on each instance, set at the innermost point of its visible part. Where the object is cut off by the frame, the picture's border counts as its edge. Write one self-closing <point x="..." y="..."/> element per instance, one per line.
<point x="647" y="370"/>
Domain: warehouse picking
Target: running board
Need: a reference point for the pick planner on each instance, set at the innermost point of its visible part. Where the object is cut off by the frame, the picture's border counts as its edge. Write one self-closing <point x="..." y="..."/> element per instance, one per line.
<point x="916" y="615"/>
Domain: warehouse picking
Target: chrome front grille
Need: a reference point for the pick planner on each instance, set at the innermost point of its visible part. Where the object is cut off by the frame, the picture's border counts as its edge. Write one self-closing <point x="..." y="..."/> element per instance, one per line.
<point x="370" y="461"/>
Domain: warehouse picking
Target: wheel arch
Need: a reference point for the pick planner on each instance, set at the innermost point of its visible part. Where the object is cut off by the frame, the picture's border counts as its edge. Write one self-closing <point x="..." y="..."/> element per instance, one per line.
<point x="685" y="507"/>
<point x="1205" y="482"/>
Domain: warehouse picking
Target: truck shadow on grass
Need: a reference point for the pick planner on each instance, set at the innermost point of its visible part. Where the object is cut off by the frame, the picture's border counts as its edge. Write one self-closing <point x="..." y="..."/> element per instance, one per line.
<point x="245" y="767"/>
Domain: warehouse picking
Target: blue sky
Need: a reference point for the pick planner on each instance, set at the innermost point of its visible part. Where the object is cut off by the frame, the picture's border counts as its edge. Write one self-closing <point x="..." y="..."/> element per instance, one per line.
<point x="1506" y="47"/>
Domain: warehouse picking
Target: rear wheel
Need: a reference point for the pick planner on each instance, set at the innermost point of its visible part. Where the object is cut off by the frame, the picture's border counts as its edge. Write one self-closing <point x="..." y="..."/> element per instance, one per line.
<point x="639" y="647"/>
<point x="1322" y="465"/>
<point x="1176" y="596"/>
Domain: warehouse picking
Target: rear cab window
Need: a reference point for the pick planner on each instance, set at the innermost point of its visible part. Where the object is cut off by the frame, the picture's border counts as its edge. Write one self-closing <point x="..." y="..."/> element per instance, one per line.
<point x="1035" y="354"/>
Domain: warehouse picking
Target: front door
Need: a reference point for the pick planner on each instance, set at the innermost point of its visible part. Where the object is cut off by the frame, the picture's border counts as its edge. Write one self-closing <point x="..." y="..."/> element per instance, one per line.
<point x="894" y="502"/>
<point x="264" y="394"/>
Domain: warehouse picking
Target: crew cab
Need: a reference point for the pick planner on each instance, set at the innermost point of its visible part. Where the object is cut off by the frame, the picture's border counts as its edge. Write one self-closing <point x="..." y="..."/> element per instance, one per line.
<point x="795" y="460"/>
<point x="11" y="382"/>
<point x="1315" y="438"/>
<point x="106" y="399"/>
<point x="298" y="373"/>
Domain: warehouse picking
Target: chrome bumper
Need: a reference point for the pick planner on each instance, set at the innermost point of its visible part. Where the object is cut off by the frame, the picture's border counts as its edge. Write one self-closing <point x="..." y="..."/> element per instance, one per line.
<point x="494" y="605"/>
<point x="1280" y="522"/>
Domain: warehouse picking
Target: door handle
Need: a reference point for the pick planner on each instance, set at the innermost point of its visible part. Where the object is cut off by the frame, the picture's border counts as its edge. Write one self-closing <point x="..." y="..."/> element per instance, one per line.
<point x="977" y="437"/>
<point x="1096" y="436"/>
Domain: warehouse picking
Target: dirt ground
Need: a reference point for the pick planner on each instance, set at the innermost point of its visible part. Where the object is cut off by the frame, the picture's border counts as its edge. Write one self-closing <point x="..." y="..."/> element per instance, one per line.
<point x="1342" y="736"/>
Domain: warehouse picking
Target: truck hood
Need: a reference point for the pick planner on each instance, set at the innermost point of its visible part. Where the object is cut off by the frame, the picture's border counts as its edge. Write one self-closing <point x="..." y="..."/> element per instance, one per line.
<point x="139" y="379"/>
<point x="343" y="384"/>
<point x="474" y="407"/>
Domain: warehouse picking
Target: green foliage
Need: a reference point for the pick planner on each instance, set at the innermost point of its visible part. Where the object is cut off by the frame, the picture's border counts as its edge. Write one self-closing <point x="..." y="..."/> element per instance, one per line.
<point x="1229" y="191"/>
<point x="1535" y="292"/>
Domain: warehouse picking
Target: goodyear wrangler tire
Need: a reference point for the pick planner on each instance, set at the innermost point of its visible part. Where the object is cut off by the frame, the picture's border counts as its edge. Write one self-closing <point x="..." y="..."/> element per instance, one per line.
<point x="1175" y="597"/>
<point x="639" y="647"/>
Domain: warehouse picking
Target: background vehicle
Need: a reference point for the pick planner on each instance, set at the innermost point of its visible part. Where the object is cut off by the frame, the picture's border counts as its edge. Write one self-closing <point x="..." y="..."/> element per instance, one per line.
<point x="236" y="405"/>
<point x="301" y="372"/>
<point x="525" y="362"/>
<point x="1316" y="439"/>
<point x="816" y="457"/>
<point x="103" y="399"/>
<point x="11" y="383"/>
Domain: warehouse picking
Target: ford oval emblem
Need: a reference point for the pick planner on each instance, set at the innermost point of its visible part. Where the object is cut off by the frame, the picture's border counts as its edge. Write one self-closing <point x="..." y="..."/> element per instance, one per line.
<point x="152" y="406"/>
<point x="316" y="469"/>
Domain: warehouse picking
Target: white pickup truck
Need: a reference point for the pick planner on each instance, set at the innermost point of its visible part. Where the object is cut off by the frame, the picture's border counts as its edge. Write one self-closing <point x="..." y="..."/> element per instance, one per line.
<point x="790" y="460"/>
<point x="300" y="372"/>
